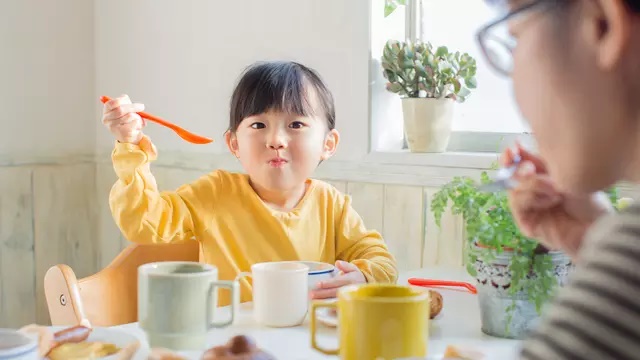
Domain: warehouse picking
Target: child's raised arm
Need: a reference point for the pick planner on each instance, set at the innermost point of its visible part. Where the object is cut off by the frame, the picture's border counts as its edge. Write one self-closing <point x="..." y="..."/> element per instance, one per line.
<point x="143" y="214"/>
<point x="147" y="216"/>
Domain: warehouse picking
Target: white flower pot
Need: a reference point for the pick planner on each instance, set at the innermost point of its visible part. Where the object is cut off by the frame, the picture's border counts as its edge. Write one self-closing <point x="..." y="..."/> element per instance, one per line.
<point x="427" y="123"/>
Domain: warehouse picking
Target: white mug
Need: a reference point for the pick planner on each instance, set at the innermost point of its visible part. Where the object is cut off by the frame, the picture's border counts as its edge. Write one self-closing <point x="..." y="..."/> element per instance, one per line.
<point x="15" y="345"/>
<point x="280" y="292"/>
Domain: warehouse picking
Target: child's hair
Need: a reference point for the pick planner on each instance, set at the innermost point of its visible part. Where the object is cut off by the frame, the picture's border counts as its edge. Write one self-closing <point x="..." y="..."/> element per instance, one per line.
<point x="281" y="86"/>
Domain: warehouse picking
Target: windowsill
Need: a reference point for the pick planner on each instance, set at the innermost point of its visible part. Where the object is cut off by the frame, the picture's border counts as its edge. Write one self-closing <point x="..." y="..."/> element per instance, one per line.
<point x="449" y="159"/>
<point x="407" y="168"/>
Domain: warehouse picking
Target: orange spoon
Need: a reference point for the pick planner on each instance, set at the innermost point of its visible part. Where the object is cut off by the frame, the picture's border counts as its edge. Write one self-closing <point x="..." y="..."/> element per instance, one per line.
<point x="188" y="136"/>
<point x="429" y="282"/>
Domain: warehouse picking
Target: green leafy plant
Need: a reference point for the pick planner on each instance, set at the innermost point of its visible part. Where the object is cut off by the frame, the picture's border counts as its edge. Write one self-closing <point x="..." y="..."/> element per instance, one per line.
<point x="418" y="70"/>
<point x="391" y="5"/>
<point x="489" y="223"/>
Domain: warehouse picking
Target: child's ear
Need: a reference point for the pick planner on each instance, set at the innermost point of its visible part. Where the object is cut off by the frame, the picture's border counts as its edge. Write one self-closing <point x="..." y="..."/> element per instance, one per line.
<point x="330" y="144"/>
<point x="232" y="142"/>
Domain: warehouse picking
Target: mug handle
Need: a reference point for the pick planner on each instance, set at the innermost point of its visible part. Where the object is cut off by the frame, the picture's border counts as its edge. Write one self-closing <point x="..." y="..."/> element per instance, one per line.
<point x="237" y="281"/>
<point x="235" y="297"/>
<point x="233" y="287"/>
<point x="315" y="305"/>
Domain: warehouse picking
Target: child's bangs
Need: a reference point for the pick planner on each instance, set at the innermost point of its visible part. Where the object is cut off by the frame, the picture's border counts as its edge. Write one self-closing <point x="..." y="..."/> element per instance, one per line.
<point x="288" y="93"/>
<point x="280" y="86"/>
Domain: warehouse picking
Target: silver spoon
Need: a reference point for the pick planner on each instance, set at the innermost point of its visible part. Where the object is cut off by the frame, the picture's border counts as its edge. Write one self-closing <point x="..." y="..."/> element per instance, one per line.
<point x="503" y="179"/>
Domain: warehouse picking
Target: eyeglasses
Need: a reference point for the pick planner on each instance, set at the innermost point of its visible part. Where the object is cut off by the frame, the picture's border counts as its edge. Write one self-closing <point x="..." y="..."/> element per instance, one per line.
<point x="496" y="42"/>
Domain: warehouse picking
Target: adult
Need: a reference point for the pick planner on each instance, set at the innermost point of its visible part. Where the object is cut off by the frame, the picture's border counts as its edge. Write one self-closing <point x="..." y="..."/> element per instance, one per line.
<point x="576" y="77"/>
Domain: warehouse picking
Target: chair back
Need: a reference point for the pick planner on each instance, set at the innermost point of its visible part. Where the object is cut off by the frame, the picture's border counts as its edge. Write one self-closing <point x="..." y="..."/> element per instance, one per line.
<point x="109" y="297"/>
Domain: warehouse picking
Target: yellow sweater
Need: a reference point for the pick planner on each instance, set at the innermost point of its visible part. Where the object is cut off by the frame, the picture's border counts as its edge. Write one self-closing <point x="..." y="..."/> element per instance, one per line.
<point x="235" y="228"/>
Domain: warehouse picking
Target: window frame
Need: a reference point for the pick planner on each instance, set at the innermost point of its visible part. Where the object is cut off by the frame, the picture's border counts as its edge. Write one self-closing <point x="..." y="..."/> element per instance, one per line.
<point x="461" y="141"/>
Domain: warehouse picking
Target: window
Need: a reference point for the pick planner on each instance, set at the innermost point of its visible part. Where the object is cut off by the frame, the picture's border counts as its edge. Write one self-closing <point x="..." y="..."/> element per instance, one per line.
<point x="488" y="120"/>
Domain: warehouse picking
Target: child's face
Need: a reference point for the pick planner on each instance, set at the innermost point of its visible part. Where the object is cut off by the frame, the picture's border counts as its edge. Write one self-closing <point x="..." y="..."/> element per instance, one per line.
<point x="280" y="151"/>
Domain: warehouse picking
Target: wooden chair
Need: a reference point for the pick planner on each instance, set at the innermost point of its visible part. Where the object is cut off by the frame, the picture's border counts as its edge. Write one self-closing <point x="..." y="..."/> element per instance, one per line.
<point x="109" y="297"/>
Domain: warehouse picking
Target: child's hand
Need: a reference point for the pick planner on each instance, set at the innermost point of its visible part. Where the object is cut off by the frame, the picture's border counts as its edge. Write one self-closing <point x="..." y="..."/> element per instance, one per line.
<point x="349" y="274"/>
<point x="120" y="116"/>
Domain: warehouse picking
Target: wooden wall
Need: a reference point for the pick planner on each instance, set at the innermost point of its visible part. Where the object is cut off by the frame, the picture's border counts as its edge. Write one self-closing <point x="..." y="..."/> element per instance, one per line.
<point x="48" y="215"/>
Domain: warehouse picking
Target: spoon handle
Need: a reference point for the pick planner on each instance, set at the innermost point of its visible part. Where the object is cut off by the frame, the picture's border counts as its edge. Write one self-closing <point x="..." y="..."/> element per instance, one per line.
<point x="504" y="177"/>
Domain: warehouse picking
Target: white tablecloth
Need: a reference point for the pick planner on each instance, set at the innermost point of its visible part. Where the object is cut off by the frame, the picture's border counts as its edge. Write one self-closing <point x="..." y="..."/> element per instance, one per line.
<point x="457" y="324"/>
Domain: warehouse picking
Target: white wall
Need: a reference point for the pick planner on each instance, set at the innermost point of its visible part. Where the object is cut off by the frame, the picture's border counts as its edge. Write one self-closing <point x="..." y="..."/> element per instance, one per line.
<point x="47" y="98"/>
<point x="182" y="58"/>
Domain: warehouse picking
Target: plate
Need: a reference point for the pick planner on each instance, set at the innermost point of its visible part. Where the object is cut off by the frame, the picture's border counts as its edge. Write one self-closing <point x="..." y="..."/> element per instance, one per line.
<point x="117" y="337"/>
<point x="326" y="317"/>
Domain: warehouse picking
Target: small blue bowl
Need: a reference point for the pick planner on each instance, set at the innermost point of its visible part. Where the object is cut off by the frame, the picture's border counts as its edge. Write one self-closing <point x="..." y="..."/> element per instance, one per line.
<point x="319" y="271"/>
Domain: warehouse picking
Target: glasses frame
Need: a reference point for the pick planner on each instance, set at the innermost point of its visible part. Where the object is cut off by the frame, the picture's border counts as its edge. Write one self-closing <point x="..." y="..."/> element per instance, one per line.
<point x="484" y="33"/>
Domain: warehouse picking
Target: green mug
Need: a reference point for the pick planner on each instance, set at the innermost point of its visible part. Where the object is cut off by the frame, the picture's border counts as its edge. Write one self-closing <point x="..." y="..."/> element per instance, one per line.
<point x="177" y="302"/>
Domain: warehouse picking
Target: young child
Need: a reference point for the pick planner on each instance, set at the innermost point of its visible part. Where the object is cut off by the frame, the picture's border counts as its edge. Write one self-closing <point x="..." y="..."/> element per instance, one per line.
<point x="282" y="125"/>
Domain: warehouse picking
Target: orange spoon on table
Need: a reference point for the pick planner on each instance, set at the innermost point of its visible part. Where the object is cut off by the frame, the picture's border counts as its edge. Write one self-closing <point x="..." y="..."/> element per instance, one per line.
<point x="431" y="282"/>
<point x="188" y="136"/>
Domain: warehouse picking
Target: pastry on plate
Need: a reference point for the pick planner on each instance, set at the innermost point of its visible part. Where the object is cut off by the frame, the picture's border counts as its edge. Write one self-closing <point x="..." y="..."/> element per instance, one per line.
<point x="71" y="343"/>
<point x="436" y="303"/>
<point x="239" y="347"/>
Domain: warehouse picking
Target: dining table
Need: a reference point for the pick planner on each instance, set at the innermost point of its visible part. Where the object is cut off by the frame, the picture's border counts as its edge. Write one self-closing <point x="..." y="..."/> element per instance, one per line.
<point x="458" y="324"/>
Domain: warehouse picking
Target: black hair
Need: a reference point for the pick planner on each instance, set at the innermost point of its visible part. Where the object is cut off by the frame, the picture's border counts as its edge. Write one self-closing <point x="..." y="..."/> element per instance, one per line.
<point x="281" y="86"/>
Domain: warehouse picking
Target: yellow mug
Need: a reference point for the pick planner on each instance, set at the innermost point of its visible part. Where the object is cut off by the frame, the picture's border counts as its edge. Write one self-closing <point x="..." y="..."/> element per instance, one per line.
<point x="377" y="321"/>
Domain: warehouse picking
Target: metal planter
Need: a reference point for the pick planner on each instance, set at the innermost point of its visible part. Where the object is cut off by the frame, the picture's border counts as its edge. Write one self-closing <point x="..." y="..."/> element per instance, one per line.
<point x="494" y="278"/>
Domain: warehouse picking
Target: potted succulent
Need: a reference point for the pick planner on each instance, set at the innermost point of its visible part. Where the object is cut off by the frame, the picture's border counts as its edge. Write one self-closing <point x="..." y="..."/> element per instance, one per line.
<point x="516" y="276"/>
<point x="429" y="81"/>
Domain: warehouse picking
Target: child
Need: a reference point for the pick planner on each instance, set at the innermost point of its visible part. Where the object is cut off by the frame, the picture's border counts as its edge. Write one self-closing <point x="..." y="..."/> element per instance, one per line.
<point x="281" y="127"/>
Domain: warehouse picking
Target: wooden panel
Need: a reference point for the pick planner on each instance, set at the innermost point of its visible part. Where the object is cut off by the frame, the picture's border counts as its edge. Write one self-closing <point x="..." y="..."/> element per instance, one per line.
<point x="444" y="244"/>
<point x="110" y="240"/>
<point x="66" y="214"/>
<point x="368" y="201"/>
<point x="17" y="266"/>
<point x="404" y="224"/>
<point x="432" y="232"/>
<point x="451" y="241"/>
